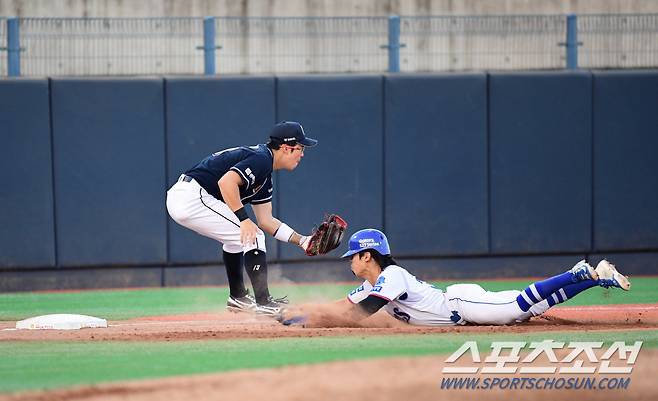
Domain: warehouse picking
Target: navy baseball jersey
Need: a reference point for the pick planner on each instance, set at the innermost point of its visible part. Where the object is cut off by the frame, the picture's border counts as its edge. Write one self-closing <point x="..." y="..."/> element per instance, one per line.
<point x="252" y="163"/>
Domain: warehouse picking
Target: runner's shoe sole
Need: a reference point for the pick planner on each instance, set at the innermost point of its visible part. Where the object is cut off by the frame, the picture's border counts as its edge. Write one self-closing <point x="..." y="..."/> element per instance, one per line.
<point x="610" y="277"/>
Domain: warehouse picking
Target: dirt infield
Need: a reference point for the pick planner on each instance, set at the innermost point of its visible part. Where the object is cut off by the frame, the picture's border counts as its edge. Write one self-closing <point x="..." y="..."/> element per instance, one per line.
<point x="229" y="325"/>
<point x="389" y="379"/>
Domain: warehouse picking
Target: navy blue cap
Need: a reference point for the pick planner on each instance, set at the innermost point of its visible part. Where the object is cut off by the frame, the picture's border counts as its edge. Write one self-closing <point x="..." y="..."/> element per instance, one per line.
<point x="291" y="133"/>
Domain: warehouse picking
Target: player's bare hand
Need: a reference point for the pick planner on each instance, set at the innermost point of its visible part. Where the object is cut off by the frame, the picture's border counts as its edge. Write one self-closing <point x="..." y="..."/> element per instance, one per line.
<point x="248" y="232"/>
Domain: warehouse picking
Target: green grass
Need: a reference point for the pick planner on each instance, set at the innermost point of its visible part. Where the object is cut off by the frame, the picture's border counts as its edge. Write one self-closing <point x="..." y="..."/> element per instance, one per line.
<point x="40" y="365"/>
<point x="126" y="304"/>
<point x="113" y="304"/>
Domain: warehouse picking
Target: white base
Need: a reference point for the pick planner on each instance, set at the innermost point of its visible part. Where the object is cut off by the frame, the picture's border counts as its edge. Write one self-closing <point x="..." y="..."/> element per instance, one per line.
<point x="61" y="322"/>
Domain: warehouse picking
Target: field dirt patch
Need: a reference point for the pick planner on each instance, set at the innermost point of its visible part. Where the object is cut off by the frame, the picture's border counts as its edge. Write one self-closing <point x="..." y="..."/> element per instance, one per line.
<point x="225" y="325"/>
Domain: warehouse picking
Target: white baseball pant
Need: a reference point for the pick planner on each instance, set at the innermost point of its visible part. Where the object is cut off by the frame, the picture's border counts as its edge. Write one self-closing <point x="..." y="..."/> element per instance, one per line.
<point x="193" y="207"/>
<point x="479" y="306"/>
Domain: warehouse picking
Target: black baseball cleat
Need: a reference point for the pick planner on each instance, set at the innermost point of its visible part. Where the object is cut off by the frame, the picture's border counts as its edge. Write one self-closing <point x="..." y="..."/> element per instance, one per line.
<point x="274" y="307"/>
<point x="241" y="304"/>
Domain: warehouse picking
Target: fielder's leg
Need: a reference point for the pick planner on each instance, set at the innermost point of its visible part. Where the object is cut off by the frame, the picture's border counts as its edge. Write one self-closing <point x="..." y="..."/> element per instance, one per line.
<point x="234" y="263"/>
<point x="255" y="262"/>
<point x="192" y="207"/>
<point x="239" y="299"/>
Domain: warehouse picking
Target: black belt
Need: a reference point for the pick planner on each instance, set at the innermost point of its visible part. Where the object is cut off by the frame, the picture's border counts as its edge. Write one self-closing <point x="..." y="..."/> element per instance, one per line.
<point x="185" y="178"/>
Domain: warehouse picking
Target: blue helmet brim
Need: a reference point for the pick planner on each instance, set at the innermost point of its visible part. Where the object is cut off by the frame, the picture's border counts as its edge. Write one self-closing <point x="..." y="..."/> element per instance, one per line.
<point x="350" y="252"/>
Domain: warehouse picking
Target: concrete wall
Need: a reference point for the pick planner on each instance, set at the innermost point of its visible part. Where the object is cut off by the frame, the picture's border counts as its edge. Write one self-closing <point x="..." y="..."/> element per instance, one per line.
<point x="170" y="46"/>
<point x="156" y="47"/>
<point x="320" y="8"/>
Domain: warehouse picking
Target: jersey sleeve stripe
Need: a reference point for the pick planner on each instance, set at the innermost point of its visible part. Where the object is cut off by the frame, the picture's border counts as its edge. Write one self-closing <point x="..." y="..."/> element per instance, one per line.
<point x="379" y="296"/>
<point x="242" y="175"/>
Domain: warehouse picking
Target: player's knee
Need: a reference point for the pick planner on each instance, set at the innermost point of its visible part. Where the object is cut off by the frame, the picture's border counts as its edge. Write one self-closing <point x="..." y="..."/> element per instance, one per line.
<point x="259" y="244"/>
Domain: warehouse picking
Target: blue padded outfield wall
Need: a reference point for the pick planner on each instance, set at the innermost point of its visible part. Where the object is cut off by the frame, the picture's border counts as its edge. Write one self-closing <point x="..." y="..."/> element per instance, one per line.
<point x="27" y="228"/>
<point x="540" y="168"/>
<point x="471" y="175"/>
<point x="626" y="164"/>
<point x="436" y="164"/>
<point x="345" y="115"/>
<point x="108" y="149"/>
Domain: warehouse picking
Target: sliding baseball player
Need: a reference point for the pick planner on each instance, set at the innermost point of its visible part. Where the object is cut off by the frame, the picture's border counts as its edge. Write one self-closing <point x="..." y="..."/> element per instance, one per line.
<point x="388" y="285"/>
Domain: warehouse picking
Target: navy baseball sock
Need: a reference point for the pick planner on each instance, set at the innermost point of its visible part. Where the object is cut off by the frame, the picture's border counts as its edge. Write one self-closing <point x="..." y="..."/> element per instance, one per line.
<point x="233" y="263"/>
<point x="543" y="289"/>
<point x="569" y="291"/>
<point x="256" y="266"/>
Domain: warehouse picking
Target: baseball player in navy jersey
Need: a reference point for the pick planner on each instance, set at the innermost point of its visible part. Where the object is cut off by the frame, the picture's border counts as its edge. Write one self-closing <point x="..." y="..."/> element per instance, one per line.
<point x="209" y="198"/>
<point x="388" y="285"/>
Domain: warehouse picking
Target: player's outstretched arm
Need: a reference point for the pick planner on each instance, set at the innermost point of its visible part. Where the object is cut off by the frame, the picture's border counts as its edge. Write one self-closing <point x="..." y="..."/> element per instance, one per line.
<point x="340" y="313"/>
<point x="335" y="314"/>
<point x="274" y="226"/>
<point x="266" y="221"/>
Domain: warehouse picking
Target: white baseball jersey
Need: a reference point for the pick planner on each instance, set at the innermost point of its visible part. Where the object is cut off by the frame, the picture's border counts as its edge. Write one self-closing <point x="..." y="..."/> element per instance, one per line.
<point x="410" y="299"/>
<point x="419" y="303"/>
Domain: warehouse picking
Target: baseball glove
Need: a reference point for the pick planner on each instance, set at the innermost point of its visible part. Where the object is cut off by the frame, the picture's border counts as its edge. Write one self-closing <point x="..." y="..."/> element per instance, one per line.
<point x="326" y="237"/>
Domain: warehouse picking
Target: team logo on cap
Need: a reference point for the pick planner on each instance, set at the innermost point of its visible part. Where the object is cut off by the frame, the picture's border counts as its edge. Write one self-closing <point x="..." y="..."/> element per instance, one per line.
<point x="368" y="242"/>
